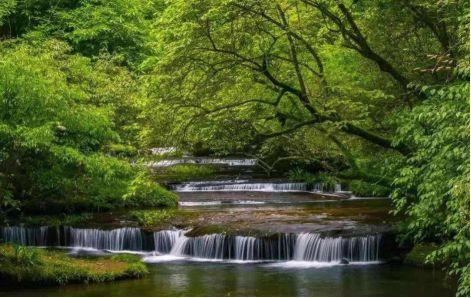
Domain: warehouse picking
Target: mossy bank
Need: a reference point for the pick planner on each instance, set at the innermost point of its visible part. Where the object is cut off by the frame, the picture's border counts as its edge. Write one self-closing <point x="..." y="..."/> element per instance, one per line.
<point x="32" y="267"/>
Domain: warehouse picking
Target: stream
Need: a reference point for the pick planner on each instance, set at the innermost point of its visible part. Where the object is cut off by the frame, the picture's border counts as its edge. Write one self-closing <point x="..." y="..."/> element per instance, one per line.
<point x="250" y="237"/>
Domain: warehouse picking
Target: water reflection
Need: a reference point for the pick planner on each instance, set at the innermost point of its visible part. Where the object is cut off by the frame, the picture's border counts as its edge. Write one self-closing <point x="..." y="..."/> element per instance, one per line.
<point x="212" y="279"/>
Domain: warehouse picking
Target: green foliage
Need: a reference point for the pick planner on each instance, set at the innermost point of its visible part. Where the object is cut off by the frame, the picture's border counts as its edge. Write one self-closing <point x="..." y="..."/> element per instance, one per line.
<point x="348" y="82"/>
<point x="419" y="253"/>
<point x="149" y="218"/>
<point x="57" y="220"/>
<point x="327" y="180"/>
<point x="185" y="172"/>
<point x="371" y="93"/>
<point x="365" y="189"/>
<point x="22" y="255"/>
<point x="6" y="8"/>
<point x="54" y="135"/>
<point x="432" y="187"/>
<point x="143" y="192"/>
<point x="121" y="150"/>
<point x="117" y="27"/>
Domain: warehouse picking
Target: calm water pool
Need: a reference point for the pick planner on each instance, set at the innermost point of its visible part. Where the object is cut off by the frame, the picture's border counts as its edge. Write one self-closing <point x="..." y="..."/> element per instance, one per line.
<point x="226" y="279"/>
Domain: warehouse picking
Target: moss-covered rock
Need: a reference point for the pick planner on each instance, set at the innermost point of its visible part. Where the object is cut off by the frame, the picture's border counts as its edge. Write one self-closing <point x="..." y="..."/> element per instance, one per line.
<point x="27" y="266"/>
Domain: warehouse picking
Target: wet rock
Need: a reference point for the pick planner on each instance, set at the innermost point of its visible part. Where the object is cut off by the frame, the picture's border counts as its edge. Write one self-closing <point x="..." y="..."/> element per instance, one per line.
<point x="344" y="261"/>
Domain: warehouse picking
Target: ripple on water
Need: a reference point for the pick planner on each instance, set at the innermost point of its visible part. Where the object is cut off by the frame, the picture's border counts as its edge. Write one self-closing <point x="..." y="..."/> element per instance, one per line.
<point x="314" y="264"/>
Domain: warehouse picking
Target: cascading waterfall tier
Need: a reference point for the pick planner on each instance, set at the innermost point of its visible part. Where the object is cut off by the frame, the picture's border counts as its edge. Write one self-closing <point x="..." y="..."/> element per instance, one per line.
<point x="299" y="247"/>
<point x="25" y="236"/>
<point x="165" y="240"/>
<point x="163" y="150"/>
<point x="233" y="162"/>
<point x="243" y="185"/>
<point x="309" y="247"/>
<point x="117" y="239"/>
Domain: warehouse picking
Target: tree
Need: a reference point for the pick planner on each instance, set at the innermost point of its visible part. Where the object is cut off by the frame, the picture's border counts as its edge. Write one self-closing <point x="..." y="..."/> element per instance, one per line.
<point x="54" y="136"/>
<point x="243" y="75"/>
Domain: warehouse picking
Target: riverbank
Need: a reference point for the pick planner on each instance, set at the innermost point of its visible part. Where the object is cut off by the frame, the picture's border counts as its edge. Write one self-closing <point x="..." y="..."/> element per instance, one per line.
<point x="36" y="267"/>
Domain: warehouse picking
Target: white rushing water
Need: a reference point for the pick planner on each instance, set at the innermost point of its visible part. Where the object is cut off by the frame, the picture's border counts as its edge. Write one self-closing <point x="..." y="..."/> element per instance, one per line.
<point x="242" y="185"/>
<point x="217" y="203"/>
<point x="174" y="244"/>
<point x="234" y="162"/>
<point x="116" y="239"/>
<point x="199" y="203"/>
<point x="211" y="182"/>
<point x="163" y="150"/>
<point x="256" y="187"/>
<point x="305" y="247"/>
<point x="25" y="236"/>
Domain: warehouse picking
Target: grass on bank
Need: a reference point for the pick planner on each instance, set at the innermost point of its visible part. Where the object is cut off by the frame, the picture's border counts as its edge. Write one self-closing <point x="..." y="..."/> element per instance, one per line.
<point x="29" y="266"/>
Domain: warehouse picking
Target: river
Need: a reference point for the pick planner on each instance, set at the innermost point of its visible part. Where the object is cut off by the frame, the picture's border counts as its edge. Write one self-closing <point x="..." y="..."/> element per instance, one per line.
<point x="184" y="278"/>
<point x="251" y="238"/>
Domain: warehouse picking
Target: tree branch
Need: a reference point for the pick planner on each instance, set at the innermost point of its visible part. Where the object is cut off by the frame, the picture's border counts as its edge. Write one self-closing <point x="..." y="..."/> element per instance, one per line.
<point x="357" y="40"/>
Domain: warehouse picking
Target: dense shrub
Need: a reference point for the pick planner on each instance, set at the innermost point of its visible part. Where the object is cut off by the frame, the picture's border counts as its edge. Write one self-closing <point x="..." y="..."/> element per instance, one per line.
<point x="328" y="181"/>
<point x="432" y="187"/>
<point x="54" y="136"/>
<point x="185" y="172"/>
<point x="148" y="218"/>
<point x="143" y="192"/>
<point x="365" y="189"/>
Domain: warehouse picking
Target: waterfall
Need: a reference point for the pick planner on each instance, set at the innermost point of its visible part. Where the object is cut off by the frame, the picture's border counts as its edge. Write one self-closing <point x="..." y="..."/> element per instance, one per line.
<point x="163" y="150"/>
<point x="310" y="247"/>
<point x="244" y="185"/>
<point x="301" y="247"/>
<point x="259" y="187"/>
<point x="244" y="247"/>
<point x="117" y="239"/>
<point x="233" y="162"/>
<point x="209" y="183"/>
<point x="25" y="236"/>
<point x="165" y="240"/>
<point x="166" y="163"/>
<point x="206" y="247"/>
<point x="321" y="187"/>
